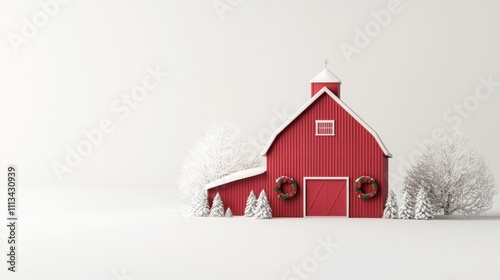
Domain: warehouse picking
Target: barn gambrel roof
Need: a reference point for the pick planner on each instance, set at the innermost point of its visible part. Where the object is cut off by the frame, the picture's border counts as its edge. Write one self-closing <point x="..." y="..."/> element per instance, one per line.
<point x="260" y="170"/>
<point x="322" y="91"/>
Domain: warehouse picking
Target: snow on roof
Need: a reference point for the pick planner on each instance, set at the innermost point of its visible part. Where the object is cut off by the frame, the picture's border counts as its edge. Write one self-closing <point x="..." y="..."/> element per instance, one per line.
<point x="325" y="76"/>
<point x="325" y="90"/>
<point x="236" y="176"/>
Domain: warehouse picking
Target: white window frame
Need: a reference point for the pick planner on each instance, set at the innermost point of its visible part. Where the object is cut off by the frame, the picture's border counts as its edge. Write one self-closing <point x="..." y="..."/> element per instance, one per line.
<point x="325" y="121"/>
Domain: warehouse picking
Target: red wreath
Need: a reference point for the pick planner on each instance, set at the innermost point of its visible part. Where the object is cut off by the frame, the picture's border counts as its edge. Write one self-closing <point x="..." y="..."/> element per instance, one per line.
<point x="283" y="180"/>
<point x="373" y="189"/>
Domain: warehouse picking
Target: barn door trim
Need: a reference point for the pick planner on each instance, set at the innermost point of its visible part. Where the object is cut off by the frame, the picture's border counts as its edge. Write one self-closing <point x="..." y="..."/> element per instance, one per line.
<point x="326" y="178"/>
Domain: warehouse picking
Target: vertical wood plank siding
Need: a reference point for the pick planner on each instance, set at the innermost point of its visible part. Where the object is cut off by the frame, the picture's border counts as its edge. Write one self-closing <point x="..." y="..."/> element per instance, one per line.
<point x="298" y="153"/>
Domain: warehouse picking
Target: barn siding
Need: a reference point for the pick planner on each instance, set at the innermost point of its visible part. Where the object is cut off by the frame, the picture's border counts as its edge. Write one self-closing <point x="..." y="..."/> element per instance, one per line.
<point x="298" y="153"/>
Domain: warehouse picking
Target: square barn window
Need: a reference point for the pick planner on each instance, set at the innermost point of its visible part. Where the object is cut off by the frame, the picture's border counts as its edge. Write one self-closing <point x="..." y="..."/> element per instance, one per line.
<point x="325" y="128"/>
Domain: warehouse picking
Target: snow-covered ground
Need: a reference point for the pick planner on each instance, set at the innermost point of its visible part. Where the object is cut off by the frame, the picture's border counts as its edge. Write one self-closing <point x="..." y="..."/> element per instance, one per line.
<point x="125" y="234"/>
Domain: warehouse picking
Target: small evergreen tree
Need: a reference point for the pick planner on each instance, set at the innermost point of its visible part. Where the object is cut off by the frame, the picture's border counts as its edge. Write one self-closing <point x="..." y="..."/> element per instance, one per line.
<point x="251" y="204"/>
<point x="229" y="213"/>
<point x="263" y="209"/>
<point x="423" y="210"/>
<point x="406" y="209"/>
<point x="199" y="204"/>
<point x="391" y="207"/>
<point x="217" y="207"/>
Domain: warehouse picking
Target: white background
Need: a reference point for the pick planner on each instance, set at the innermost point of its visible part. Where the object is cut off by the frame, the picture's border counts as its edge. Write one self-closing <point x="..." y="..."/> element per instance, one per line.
<point x="244" y="66"/>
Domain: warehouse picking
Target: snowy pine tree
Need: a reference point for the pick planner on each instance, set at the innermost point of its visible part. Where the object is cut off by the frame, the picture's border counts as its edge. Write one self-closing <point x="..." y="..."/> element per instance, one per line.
<point x="217" y="207"/>
<point x="423" y="210"/>
<point x="263" y="209"/>
<point x="391" y="207"/>
<point x="229" y="213"/>
<point x="251" y="204"/>
<point x="406" y="209"/>
<point x="199" y="204"/>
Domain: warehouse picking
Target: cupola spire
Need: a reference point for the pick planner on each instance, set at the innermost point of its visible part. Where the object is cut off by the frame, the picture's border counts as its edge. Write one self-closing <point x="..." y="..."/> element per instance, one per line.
<point x="325" y="79"/>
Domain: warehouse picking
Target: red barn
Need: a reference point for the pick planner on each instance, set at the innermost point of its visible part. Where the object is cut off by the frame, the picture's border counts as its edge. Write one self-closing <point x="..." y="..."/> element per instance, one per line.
<point x="325" y="147"/>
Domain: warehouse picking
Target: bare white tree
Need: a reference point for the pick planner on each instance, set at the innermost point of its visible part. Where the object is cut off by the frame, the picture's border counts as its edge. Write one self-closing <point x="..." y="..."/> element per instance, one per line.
<point x="222" y="151"/>
<point x="455" y="176"/>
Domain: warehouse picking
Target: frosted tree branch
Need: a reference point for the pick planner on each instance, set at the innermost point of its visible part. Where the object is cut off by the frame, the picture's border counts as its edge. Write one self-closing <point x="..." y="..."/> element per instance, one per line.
<point x="455" y="176"/>
<point x="222" y="151"/>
